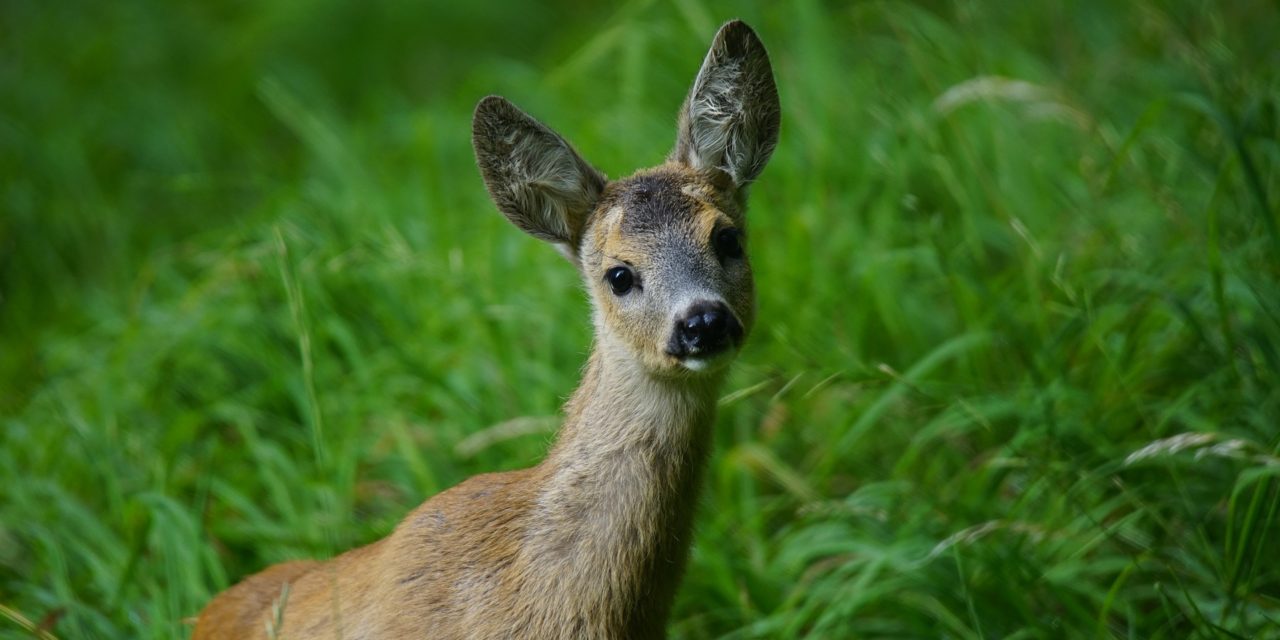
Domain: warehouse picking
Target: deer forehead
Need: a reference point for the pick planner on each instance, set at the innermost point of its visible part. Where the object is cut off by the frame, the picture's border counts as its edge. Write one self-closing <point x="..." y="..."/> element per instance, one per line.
<point x="649" y="211"/>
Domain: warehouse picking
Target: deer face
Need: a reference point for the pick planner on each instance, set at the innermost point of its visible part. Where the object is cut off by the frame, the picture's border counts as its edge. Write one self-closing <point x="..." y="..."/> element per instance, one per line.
<point x="665" y="262"/>
<point x="663" y="251"/>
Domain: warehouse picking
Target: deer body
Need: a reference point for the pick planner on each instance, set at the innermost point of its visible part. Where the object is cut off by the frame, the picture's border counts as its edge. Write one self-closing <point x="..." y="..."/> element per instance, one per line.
<point x="591" y="543"/>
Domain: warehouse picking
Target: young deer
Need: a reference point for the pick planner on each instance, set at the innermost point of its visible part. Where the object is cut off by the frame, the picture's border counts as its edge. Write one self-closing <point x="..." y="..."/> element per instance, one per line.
<point x="590" y="543"/>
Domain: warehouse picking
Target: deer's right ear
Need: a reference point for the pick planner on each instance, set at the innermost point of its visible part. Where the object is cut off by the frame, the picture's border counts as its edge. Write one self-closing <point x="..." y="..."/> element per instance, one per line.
<point x="537" y="180"/>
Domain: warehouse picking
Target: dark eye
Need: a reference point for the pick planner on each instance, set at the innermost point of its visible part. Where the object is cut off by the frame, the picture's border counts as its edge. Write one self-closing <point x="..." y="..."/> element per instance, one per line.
<point x="728" y="243"/>
<point x="620" y="280"/>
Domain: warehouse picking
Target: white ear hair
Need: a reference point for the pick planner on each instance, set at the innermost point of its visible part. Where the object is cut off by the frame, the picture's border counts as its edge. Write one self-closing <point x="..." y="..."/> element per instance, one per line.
<point x="534" y="176"/>
<point x="570" y="253"/>
<point x="730" y="120"/>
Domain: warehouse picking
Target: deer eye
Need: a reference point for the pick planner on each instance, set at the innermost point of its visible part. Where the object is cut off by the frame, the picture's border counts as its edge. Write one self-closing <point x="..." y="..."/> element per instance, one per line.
<point x="620" y="280"/>
<point x="728" y="243"/>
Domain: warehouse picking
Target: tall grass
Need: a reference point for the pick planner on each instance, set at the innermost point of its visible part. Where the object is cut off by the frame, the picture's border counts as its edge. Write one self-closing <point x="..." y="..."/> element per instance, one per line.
<point x="1017" y="366"/>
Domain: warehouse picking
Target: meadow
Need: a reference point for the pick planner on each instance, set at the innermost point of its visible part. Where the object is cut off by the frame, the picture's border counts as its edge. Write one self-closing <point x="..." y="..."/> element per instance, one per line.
<point x="1015" y="374"/>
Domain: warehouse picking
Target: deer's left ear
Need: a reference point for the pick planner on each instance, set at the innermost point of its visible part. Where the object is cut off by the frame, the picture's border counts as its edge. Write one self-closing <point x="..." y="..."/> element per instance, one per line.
<point x="537" y="180"/>
<point x="731" y="118"/>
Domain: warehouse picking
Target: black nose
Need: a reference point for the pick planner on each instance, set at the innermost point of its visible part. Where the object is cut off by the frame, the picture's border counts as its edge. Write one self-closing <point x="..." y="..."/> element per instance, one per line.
<point x="706" y="328"/>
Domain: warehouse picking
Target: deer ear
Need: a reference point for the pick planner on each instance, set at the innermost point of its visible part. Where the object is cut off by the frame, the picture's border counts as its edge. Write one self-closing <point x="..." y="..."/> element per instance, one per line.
<point x="537" y="180"/>
<point x="731" y="118"/>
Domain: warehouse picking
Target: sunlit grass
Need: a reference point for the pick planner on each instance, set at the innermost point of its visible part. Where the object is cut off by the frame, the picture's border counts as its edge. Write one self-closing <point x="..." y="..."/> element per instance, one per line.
<point x="1017" y="365"/>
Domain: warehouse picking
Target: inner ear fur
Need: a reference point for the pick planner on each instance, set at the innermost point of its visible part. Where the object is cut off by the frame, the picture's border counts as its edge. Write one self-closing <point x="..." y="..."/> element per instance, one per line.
<point x="730" y="120"/>
<point x="534" y="176"/>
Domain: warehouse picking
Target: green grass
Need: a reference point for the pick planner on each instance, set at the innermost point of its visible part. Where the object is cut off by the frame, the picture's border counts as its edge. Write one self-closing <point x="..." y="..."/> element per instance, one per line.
<point x="1017" y="365"/>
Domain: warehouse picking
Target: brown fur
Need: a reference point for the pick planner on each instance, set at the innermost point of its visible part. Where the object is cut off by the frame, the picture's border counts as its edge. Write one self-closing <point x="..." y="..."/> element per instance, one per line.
<point x="591" y="543"/>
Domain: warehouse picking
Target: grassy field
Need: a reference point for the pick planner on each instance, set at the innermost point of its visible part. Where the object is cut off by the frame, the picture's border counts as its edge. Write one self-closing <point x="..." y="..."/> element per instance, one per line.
<point x="1016" y="372"/>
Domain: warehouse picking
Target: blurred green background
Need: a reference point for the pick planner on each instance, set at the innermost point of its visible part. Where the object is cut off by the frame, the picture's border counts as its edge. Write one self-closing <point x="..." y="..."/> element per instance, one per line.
<point x="1017" y="366"/>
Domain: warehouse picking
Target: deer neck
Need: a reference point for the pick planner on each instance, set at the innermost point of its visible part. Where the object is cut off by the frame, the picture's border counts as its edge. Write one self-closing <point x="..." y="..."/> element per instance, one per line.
<point x="615" y="510"/>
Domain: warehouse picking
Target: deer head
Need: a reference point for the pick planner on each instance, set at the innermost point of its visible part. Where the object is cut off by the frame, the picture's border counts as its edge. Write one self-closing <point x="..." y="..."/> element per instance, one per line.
<point x="663" y="252"/>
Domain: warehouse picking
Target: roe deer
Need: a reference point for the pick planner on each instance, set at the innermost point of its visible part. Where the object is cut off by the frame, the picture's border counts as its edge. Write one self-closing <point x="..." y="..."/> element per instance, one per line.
<point x="590" y="543"/>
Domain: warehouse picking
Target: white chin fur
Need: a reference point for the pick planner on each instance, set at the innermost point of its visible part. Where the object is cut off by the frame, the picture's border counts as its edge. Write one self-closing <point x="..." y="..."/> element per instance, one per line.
<point x="695" y="364"/>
